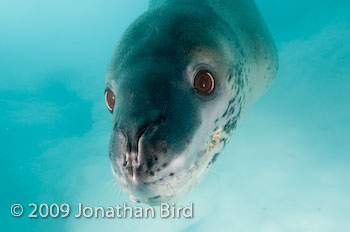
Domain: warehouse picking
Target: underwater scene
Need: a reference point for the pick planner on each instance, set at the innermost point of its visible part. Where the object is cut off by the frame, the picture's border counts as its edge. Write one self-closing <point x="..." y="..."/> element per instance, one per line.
<point x="284" y="168"/>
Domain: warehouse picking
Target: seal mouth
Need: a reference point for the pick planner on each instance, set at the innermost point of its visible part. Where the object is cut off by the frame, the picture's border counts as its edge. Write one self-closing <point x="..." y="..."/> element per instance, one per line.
<point x="166" y="188"/>
<point x="150" y="200"/>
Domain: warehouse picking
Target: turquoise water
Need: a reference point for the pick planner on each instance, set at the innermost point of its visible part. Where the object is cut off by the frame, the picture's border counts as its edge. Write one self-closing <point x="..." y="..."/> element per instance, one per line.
<point x="287" y="168"/>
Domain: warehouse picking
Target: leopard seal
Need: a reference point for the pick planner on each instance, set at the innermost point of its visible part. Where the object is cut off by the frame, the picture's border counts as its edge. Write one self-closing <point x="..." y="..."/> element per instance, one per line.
<point x="181" y="78"/>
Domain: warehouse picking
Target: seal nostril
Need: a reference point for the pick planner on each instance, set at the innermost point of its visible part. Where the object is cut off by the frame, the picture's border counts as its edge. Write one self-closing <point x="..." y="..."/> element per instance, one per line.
<point x="141" y="132"/>
<point x="151" y="173"/>
<point x="171" y="174"/>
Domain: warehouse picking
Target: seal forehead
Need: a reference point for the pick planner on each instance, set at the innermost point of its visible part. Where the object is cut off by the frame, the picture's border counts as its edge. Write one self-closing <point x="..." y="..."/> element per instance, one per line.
<point x="168" y="39"/>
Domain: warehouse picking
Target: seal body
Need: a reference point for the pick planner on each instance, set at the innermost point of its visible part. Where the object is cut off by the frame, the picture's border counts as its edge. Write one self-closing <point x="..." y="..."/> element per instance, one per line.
<point x="166" y="135"/>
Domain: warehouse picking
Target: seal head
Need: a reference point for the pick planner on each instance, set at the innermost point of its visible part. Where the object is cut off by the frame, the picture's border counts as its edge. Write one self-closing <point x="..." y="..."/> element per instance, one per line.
<point x="175" y="88"/>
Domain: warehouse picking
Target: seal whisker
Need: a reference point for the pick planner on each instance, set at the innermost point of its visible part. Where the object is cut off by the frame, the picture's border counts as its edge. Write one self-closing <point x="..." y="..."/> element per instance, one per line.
<point x="109" y="182"/>
<point x="111" y="187"/>
<point x="216" y="172"/>
<point x="171" y="187"/>
<point x="100" y="155"/>
<point x="120" y="190"/>
<point x="115" y="191"/>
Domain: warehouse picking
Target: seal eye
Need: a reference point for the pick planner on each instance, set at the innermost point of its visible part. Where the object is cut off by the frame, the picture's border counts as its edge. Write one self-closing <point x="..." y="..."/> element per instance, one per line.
<point x="110" y="99"/>
<point x="204" y="82"/>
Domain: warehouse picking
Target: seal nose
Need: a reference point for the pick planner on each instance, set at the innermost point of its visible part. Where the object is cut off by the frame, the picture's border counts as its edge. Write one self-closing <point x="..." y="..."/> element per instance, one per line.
<point x="131" y="153"/>
<point x="130" y="149"/>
